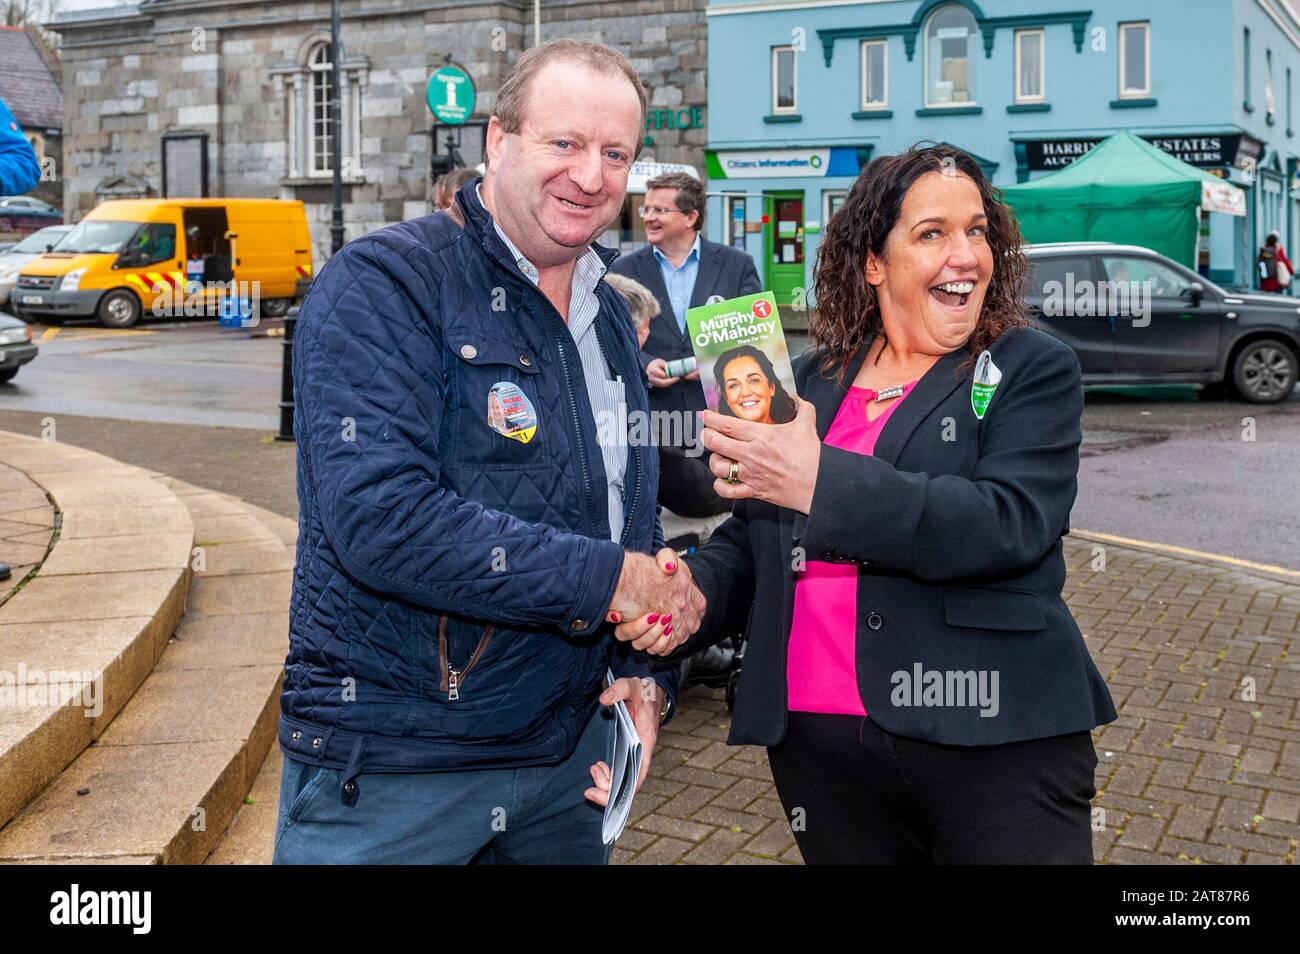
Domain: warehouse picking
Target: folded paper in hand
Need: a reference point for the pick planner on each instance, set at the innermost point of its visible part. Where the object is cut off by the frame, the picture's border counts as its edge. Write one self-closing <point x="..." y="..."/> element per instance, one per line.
<point x="625" y="769"/>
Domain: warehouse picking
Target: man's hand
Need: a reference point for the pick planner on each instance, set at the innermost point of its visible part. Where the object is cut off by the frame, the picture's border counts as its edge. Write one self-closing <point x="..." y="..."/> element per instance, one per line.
<point x="657" y="372"/>
<point x="643" y="698"/>
<point x="661" y="585"/>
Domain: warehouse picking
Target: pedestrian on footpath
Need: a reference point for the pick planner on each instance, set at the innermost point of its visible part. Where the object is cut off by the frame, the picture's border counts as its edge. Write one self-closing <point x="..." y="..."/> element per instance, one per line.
<point x="471" y="516"/>
<point x="1275" y="269"/>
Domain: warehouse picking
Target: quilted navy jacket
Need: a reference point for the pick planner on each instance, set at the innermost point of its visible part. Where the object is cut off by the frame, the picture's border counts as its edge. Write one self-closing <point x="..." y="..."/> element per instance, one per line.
<point x="450" y="584"/>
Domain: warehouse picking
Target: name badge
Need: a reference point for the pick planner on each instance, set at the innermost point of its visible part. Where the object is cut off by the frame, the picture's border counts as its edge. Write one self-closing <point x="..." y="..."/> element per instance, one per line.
<point x="987" y="377"/>
<point x="510" y="413"/>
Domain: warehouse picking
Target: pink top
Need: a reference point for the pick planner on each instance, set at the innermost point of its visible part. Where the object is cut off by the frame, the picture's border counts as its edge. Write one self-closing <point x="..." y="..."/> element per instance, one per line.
<point x="821" y="667"/>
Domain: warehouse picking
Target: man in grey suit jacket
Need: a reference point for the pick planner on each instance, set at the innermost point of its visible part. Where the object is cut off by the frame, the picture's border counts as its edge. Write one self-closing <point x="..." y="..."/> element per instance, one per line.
<point x="683" y="269"/>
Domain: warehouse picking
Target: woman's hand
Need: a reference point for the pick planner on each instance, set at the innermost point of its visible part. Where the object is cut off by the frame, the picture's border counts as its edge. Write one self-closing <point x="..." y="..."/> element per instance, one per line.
<point x="656" y="632"/>
<point x="778" y="462"/>
<point x="652" y="633"/>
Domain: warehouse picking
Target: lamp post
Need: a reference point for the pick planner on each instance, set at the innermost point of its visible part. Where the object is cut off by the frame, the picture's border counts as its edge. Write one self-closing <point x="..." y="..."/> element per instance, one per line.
<point x="336" y="216"/>
<point x="336" y="127"/>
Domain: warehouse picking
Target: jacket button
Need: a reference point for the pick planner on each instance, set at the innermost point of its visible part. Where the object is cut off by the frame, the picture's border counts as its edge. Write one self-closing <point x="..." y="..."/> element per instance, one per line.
<point x="578" y="625"/>
<point x="297" y="735"/>
<point x="526" y="361"/>
<point x="349" y="787"/>
<point x="315" y="743"/>
<point x="468" y="352"/>
<point x="874" y="621"/>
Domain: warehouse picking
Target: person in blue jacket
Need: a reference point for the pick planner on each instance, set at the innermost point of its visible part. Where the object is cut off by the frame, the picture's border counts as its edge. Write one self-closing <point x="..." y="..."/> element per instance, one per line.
<point x="19" y="170"/>
<point x="474" y="511"/>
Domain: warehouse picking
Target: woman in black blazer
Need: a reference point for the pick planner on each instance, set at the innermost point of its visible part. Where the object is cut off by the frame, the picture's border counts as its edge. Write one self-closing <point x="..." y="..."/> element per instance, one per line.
<point x="895" y="552"/>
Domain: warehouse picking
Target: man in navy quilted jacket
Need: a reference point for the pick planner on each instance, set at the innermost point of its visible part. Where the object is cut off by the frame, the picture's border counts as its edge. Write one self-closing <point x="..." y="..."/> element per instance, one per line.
<point x="476" y="507"/>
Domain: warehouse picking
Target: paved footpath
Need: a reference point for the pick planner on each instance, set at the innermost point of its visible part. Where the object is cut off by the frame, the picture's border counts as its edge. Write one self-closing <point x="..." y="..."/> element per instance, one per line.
<point x="1190" y="772"/>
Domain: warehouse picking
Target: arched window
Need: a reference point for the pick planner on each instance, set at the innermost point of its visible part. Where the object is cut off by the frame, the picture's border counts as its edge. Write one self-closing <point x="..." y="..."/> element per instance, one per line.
<point x="950" y="43"/>
<point x="321" y="66"/>
<point x="308" y="87"/>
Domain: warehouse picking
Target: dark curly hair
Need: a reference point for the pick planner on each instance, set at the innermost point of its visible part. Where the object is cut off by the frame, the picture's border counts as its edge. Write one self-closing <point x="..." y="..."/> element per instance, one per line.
<point x="846" y="315"/>
<point x="783" y="410"/>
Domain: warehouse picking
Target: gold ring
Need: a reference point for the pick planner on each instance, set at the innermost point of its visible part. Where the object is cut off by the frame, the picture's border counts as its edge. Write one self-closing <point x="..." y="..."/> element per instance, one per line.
<point x="733" y="475"/>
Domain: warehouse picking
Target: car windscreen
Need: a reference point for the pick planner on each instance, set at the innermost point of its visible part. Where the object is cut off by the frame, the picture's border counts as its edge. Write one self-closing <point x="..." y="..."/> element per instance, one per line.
<point x="37" y="241"/>
<point x="99" y="236"/>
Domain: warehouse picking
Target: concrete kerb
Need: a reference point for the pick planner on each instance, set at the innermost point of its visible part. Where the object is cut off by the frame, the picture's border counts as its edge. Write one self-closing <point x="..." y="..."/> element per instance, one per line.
<point x="103" y="601"/>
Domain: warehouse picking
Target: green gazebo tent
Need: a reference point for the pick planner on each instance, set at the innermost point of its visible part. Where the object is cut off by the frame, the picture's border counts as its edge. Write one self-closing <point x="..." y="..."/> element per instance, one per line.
<point x="1124" y="190"/>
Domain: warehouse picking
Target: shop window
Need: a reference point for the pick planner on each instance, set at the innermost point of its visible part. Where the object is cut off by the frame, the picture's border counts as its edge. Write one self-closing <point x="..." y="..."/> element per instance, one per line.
<point x="1134" y="60"/>
<point x="832" y="201"/>
<point x="1245" y="69"/>
<point x="950" y="39"/>
<point x="1030" y="68"/>
<point x="1270" y="108"/>
<point x="784" y="83"/>
<point x="875" y="89"/>
<point x="733" y="224"/>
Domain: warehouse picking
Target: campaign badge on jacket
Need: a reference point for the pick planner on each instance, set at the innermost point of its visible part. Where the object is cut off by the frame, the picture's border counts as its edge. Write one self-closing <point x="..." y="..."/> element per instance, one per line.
<point x="987" y="377"/>
<point x="510" y="413"/>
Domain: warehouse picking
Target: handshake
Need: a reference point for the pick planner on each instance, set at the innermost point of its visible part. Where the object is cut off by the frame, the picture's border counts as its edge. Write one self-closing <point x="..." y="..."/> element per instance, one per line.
<point x="656" y="604"/>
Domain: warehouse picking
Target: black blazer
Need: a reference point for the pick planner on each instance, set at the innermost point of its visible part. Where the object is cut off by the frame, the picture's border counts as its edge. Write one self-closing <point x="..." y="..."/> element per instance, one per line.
<point x="724" y="271"/>
<point x="956" y="527"/>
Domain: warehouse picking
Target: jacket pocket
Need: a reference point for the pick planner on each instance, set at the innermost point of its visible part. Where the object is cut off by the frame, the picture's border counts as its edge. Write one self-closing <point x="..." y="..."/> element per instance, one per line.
<point x="978" y="607"/>
<point x="498" y="403"/>
<point x="453" y="667"/>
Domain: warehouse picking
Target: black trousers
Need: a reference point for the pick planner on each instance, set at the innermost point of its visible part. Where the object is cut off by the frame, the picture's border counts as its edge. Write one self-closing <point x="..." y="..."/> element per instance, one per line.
<point x="854" y="794"/>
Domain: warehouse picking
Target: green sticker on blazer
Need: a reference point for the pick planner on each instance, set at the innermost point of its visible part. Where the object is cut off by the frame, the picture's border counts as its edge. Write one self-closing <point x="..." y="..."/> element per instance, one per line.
<point x="510" y="413"/>
<point x="987" y="376"/>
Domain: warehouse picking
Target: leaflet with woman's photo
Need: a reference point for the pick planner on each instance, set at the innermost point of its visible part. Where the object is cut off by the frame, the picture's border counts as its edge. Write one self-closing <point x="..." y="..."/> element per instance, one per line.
<point x="742" y="358"/>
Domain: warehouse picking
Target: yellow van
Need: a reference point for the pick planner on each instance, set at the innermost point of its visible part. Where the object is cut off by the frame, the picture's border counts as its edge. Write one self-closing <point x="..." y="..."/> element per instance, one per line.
<point x="130" y="257"/>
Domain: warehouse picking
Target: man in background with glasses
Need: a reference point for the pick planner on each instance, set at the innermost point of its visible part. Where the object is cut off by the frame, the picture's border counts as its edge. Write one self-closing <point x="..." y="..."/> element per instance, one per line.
<point x="684" y="270"/>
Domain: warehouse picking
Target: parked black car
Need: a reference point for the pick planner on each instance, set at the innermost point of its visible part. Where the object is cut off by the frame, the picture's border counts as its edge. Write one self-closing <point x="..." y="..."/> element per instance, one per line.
<point x="1135" y="317"/>
<point x="16" y="347"/>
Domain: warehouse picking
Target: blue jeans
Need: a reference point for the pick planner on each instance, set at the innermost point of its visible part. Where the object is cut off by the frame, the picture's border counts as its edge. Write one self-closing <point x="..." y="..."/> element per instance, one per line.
<point x="531" y="815"/>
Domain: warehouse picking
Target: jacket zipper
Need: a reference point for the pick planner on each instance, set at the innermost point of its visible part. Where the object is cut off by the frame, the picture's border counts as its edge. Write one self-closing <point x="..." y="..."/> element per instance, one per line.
<point x="453" y="679"/>
<point x="633" y="455"/>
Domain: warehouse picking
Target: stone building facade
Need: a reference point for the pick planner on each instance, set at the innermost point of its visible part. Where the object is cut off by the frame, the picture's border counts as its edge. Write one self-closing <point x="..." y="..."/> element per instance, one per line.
<point x="225" y="97"/>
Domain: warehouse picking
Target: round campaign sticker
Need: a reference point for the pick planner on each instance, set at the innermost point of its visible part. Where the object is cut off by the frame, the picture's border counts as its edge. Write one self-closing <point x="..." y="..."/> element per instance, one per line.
<point x="510" y="413"/>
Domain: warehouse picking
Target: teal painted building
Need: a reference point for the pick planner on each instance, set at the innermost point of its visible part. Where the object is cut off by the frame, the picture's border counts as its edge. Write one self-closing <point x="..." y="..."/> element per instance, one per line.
<point x="802" y="93"/>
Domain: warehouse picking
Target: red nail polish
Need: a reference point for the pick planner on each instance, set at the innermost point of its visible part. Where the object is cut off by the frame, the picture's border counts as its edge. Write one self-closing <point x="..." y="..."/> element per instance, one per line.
<point x="615" y="618"/>
<point x="670" y="567"/>
<point x="668" y="618"/>
<point x="652" y="618"/>
<point x="667" y="630"/>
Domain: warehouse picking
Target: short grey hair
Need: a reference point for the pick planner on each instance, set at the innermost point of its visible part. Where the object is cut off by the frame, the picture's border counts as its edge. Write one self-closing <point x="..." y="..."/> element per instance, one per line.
<point x="640" y="300"/>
